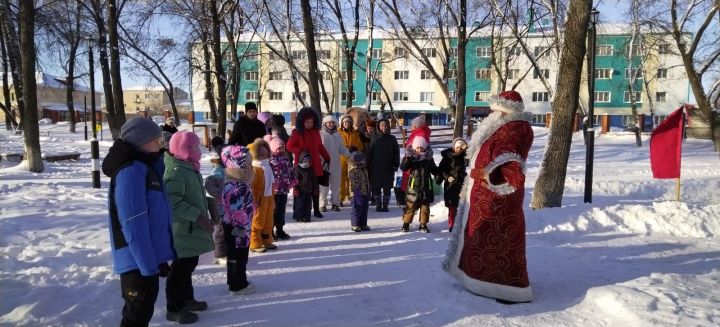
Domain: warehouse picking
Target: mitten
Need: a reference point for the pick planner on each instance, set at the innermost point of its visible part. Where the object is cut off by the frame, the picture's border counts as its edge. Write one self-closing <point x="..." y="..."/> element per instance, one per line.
<point x="450" y="179"/>
<point x="164" y="269"/>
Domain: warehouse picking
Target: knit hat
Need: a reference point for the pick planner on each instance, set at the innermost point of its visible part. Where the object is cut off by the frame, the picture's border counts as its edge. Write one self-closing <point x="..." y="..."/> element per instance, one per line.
<point x="217" y="143"/>
<point x="418" y="121"/>
<point x="264" y="116"/>
<point x="459" y="140"/>
<point x="184" y="146"/>
<point x="236" y="156"/>
<point x="508" y="102"/>
<point x="275" y="142"/>
<point x="419" y="142"/>
<point x="304" y="156"/>
<point x="346" y="117"/>
<point x="170" y="120"/>
<point x="329" y="118"/>
<point x="250" y="106"/>
<point x="138" y="130"/>
<point x="357" y="157"/>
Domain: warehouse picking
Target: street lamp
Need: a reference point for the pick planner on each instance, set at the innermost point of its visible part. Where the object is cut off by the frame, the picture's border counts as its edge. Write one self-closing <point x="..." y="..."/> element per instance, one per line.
<point x="590" y="133"/>
<point x="94" y="146"/>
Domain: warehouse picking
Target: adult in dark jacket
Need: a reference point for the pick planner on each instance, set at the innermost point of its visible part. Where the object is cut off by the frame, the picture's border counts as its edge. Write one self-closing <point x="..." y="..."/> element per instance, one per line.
<point x="383" y="160"/>
<point x="452" y="167"/>
<point x="170" y="125"/>
<point x="421" y="168"/>
<point x="140" y="217"/>
<point x="248" y="127"/>
<point x="306" y="137"/>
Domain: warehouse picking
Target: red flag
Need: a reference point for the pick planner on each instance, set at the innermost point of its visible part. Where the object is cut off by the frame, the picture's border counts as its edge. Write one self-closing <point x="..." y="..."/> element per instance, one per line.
<point x="666" y="146"/>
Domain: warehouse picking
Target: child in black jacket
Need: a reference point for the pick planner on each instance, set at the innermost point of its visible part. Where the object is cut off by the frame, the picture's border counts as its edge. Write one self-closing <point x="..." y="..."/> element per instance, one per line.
<point x="305" y="189"/>
<point x="419" y="195"/>
<point x="452" y="167"/>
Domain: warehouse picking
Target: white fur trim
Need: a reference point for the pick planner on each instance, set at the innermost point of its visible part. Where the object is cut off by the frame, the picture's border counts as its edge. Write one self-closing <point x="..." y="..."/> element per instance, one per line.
<point x="505" y="105"/>
<point x="505" y="188"/>
<point x="496" y="291"/>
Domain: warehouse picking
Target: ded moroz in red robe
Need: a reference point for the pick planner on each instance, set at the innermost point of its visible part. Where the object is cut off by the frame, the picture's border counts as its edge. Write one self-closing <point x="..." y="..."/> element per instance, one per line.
<point x="487" y="248"/>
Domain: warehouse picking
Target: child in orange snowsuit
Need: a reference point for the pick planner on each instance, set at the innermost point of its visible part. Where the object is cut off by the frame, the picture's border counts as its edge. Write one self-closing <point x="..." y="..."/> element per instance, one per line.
<point x="263" y="196"/>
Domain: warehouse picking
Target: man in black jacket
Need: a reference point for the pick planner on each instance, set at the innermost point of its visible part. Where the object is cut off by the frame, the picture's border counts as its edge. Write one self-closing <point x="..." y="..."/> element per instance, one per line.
<point x="248" y="127"/>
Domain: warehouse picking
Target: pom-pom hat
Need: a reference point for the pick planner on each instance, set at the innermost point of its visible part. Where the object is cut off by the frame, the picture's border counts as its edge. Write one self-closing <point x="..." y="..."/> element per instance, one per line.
<point x="236" y="156"/>
<point x="508" y="102"/>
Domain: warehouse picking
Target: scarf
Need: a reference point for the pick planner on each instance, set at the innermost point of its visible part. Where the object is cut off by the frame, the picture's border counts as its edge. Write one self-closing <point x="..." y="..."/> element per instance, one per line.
<point x="268" y="174"/>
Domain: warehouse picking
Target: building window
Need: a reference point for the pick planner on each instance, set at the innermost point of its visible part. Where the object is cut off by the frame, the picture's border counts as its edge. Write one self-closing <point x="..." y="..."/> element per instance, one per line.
<point x="663" y="48"/>
<point x="377" y="75"/>
<point x="602" y="96"/>
<point x="603" y="73"/>
<point x="375" y="96"/>
<point x="660" y="96"/>
<point x="251" y="76"/>
<point x="376" y="53"/>
<point x="483" y="52"/>
<point x="156" y="96"/>
<point x="482" y="96"/>
<point x="303" y="95"/>
<point x="251" y="95"/>
<point x="402" y="74"/>
<point x="429" y="52"/>
<point x="298" y="54"/>
<point x="513" y="73"/>
<point x="453" y="52"/>
<point x="482" y="74"/>
<point x="634" y="51"/>
<point x="275" y="95"/>
<point x="427" y="96"/>
<point x="661" y="73"/>
<point x="512" y="51"/>
<point x="323" y="54"/>
<point x="299" y="75"/>
<point x="343" y="75"/>
<point x="400" y="96"/>
<point x="604" y="50"/>
<point x="251" y="54"/>
<point x="343" y="96"/>
<point x="637" y="96"/>
<point x="543" y="72"/>
<point x="540" y="97"/>
<point x="636" y="73"/>
<point x="540" y="51"/>
<point x="274" y="76"/>
<point x="425" y="74"/>
<point x="400" y="52"/>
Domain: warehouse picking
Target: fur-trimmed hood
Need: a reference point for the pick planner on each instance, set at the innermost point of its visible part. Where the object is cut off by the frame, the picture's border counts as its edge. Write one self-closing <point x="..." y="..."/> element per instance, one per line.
<point x="302" y="115"/>
<point x="253" y="147"/>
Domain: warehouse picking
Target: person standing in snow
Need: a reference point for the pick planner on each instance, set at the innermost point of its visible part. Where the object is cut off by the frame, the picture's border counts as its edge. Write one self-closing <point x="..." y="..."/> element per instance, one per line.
<point x="418" y="129"/>
<point x="285" y="180"/>
<point x="248" y="127"/>
<point x="333" y="143"/>
<point x="192" y="228"/>
<point x="421" y="168"/>
<point x="487" y="249"/>
<point x="383" y="160"/>
<point x="238" y="204"/>
<point x="305" y="188"/>
<point x="264" y="197"/>
<point x="214" y="184"/>
<point x="170" y="126"/>
<point x="359" y="184"/>
<point x="140" y="217"/>
<point x="452" y="167"/>
<point x="351" y="140"/>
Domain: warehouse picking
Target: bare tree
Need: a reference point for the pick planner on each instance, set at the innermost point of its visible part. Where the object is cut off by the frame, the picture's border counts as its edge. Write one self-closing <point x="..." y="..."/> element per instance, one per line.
<point x="313" y="78"/>
<point x="26" y="26"/>
<point x="550" y="183"/>
<point x="9" y="20"/>
<point x="116" y="114"/>
<point x="6" y="105"/>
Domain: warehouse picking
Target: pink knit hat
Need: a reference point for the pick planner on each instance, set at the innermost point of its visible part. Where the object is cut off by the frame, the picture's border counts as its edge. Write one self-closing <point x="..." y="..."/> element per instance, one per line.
<point x="275" y="142"/>
<point x="419" y="142"/>
<point x="184" y="145"/>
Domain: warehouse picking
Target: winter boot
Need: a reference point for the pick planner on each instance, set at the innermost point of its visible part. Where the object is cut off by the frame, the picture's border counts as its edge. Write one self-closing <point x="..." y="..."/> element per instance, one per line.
<point x="356" y="229"/>
<point x="316" y="205"/>
<point x="405" y="228"/>
<point x="423" y="228"/>
<point x="195" y="305"/>
<point x="182" y="317"/>
<point x="281" y="235"/>
<point x="335" y="208"/>
<point x="379" y="207"/>
<point x="385" y="202"/>
<point x="323" y="209"/>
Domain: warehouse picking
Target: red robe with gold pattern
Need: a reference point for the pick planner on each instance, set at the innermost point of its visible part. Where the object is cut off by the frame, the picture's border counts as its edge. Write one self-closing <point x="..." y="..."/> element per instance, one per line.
<point x="487" y="251"/>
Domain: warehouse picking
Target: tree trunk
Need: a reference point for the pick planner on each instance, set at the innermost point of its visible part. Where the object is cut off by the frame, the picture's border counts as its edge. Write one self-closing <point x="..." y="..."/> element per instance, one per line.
<point x="70" y="86"/>
<point x="209" y="91"/>
<point x="313" y="87"/>
<point x="550" y="183"/>
<point x="12" y="44"/>
<point x="30" y="123"/>
<point x="116" y="114"/>
<point x="219" y="69"/>
<point x="460" y="86"/>
<point x="103" y="59"/>
<point x="10" y="122"/>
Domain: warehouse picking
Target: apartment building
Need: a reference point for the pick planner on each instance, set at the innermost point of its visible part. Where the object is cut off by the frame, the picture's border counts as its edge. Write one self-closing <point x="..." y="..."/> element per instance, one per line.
<point x="650" y="65"/>
<point x="152" y="100"/>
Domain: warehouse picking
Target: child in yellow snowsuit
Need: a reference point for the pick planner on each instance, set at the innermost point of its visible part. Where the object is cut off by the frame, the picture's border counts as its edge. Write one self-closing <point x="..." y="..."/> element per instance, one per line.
<point x="351" y="140"/>
<point x="263" y="196"/>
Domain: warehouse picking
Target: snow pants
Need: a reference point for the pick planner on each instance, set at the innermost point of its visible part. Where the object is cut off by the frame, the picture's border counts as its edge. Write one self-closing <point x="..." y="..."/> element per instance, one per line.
<point x="237" y="259"/>
<point x="333" y="188"/>
<point x="412" y="208"/>
<point x="262" y="224"/>
<point x="178" y="287"/>
<point x="139" y="293"/>
<point x="359" y="212"/>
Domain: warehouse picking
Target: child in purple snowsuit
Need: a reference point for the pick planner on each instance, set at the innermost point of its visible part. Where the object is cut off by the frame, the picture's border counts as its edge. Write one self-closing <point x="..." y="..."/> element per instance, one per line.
<point x="285" y="180"/>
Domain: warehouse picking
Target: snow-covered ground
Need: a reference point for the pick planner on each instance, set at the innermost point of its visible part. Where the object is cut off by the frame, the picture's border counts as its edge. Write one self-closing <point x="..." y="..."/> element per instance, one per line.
<point x="634" y="257"/>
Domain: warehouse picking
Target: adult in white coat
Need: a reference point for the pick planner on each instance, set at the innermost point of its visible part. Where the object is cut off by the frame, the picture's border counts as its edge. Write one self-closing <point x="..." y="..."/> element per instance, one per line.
<point x="333" y="143"/>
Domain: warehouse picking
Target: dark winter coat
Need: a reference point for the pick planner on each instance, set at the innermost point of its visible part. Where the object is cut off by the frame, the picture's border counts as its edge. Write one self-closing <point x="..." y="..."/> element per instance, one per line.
<point x="276" y="124"/>
<point x="421" y="172"/>
<point x="307" y="181"/>
<point x="169" y="129"/>
<point x="140" y="235"/>
<point x="453" y="164"/>
<point x="308" y="140"/>
<point x="246" y="130"/>
<point x="383" y="160"/>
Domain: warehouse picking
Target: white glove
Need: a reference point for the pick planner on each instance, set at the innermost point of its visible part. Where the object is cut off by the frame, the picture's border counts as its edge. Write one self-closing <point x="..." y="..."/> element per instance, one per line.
<point x="451" y="179"/>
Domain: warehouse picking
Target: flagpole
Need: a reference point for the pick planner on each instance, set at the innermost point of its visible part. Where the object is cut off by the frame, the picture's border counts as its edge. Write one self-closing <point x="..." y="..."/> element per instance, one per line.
<point x="677" y="189"/>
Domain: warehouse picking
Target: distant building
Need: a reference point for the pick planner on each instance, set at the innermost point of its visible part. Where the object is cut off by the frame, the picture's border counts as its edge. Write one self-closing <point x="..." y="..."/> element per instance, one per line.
<point x="52" y="101"/>
<point x="154" y="101"/>
<point x="652" y="64"/>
